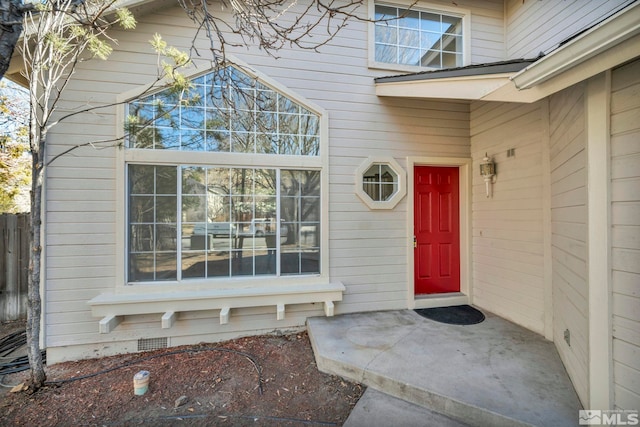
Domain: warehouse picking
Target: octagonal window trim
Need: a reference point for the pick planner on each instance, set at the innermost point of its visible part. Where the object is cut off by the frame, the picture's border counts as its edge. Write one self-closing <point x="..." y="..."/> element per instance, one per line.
<point x="371" y="186"/>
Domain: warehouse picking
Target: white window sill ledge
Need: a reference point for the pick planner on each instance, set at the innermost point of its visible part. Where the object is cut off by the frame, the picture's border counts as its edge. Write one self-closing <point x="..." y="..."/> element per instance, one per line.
<point x="112" y="307"/>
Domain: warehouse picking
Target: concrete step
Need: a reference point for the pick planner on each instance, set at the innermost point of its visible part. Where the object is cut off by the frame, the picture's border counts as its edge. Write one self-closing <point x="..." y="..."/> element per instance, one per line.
<point x="491" y="374"/>
<point x="379" y="409"/>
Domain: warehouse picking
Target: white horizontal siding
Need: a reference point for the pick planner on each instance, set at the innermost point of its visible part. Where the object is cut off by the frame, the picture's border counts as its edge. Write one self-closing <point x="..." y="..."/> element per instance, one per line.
<point x="508" y="254"/>
<point x="539" y="26"/>
<point x="368" y="250"/>
<point x="569" y="233"/>
<point x="625" y="234"/>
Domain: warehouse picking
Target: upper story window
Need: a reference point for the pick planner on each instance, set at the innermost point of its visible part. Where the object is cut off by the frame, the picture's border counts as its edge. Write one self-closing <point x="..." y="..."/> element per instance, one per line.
<point x="418" y="38"/>
<point x="243" y="117"/>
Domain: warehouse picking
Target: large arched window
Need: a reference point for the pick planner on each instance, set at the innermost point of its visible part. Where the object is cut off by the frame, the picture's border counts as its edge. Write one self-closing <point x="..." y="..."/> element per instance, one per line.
<point x="211" y="211"/>
<point x="225" y="111"/>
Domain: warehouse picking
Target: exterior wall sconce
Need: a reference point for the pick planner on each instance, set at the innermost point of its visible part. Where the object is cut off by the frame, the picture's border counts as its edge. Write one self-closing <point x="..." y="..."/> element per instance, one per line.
<point x="488" y="173"/>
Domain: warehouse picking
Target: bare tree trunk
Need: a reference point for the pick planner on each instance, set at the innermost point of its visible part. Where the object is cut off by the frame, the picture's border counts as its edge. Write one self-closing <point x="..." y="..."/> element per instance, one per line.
<point x="34" y="304"/>
<point x="11" y="18"/>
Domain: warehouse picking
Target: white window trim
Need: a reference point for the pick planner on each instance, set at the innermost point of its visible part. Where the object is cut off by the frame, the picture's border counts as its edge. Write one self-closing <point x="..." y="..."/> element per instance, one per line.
<point x="171" y="157"/>
<point x="465" y="14"/>
<point x="396" y="197"/>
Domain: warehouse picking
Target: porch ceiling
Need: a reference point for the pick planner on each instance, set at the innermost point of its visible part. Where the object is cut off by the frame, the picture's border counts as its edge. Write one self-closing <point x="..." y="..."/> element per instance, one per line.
<point x="606" y="45"/>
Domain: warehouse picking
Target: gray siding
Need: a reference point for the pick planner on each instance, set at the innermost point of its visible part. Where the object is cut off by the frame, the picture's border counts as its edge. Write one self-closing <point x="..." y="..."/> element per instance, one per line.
<point x="508" y="244"/>
<point x="539" y="26"/>
<point x="625" y="234"/>
<point x="368" y="250"/>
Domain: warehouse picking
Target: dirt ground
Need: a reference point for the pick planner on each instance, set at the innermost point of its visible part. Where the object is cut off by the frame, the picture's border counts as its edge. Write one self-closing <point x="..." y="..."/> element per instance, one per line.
<point x="264" y="380"/>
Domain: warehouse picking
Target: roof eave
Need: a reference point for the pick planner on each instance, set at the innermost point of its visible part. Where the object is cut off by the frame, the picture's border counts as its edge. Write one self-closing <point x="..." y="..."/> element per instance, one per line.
<point x="16" y="71"/>
<point x="605" y="46"/>
<point x="461" y="88"/>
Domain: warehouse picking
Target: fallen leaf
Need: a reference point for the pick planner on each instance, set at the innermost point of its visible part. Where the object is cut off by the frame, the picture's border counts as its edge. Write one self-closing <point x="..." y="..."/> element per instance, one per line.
<point x="20" y="387"/>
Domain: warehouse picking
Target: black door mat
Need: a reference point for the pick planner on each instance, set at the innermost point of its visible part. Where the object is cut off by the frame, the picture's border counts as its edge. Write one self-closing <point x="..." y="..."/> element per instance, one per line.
<point x="453" y="315"/>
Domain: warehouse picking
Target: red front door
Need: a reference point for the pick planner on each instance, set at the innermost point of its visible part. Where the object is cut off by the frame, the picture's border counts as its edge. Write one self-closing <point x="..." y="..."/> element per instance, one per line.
<point x="436" y="229"/>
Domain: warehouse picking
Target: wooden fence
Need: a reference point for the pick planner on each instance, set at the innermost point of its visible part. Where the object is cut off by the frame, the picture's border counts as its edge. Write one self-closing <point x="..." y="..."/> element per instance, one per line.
<point x="14" y="266"/>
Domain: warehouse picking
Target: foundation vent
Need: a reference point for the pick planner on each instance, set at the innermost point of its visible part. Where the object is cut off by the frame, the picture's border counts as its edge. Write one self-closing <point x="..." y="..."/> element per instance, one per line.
<point x="146" y="344"/>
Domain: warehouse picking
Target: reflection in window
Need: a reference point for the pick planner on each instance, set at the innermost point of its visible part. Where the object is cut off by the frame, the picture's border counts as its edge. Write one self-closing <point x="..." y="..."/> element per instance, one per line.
<point x="419" y="38"/>
<point x="152" y="223"/>
<point x="190" y="222"/>
<point x="225" y="111"/>
<point x="380" y="182"/>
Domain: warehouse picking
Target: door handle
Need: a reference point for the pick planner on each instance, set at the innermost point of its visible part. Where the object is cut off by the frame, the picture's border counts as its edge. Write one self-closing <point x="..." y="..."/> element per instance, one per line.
<point x="415" y="242"/>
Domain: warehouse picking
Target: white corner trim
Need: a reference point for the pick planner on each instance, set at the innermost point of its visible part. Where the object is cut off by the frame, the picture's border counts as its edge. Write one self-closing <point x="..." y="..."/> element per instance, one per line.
<point x="599" y="272"/>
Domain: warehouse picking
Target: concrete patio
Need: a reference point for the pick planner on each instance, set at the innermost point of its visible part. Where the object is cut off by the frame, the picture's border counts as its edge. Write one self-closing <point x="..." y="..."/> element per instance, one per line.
<point x="494" y="373"/>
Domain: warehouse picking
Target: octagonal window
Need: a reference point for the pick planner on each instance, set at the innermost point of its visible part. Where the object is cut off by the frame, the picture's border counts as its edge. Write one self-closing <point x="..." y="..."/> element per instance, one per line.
<point x="380" y="183"/>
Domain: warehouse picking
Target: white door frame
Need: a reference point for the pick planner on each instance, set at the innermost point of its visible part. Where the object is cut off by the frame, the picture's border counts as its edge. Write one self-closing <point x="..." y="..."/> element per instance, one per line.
<point x="465" y="294"/>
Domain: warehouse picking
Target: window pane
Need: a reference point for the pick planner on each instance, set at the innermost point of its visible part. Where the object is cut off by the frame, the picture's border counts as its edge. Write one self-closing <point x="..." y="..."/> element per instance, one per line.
<point x="386" y="191"/>
<point x="142" y="112"/>
<point x="219" y="264"/>
<point x="452" y="44"/>
<point x="290" y="262"/>
<point x="167" y="138"/>
<point x="166" y="268"/>
<point x="141" y="179"/>
<point x="230" y="112"/>
<point x="309" y="183"/>
<point x="421" y="38"/>
<point x="288" y="144"/>
<point x="380" y="182"/>
<point x="166" y="180"/>
<point x="218" y="141"/>
<point x="242" y="142"/>
<point x="141" y="209"/>
<point x="409" y="38"/>
<point x="287" y="106"/>
<point x="152" y="221"/>
<point x="141" y="238"/>
<point x="430" y="22"/>
<point x="241" y="181"/>
<point x="451" y="59"/>
<point x="141" y="267"/>
<point x="309" y="146"/>
<point x="233" y="222"/>
<point x="193" y="140"/>
<point x="430" y="41"/>
<point x="192" y="118"/>
<point x="194" y="208"/>
<point x="166" y="237"/>
<point x="386" y="53"/>
<point x="310" y="261"/>
<point x="386" y="34"/>
<point x="386" y="12"/>
<point x="451" y="25"/>
<point x="409" y="19"/>
<point x="409" y="56"/>
<point x="432" y="59"/>
<point x="194" y="264"/>
<point x="166" y="116"/>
